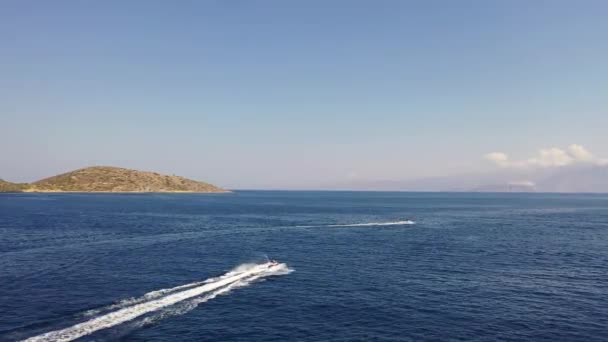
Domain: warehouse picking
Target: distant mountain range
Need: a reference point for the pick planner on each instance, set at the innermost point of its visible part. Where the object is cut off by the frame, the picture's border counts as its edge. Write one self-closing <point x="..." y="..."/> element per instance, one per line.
<point x="111" y="179"/>
<point x="585" y="178"/>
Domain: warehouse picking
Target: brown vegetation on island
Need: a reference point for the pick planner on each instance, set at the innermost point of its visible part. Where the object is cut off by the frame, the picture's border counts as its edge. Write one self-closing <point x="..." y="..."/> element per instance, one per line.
<point x="11" y="187"/>
<point x="111" y="179"/>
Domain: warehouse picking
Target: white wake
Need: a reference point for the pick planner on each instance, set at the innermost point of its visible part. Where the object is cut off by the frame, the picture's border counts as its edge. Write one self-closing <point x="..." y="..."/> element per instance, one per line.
<point x="364" y="224"/>
<point x="193" y="303"/>
<point x="146" y="297"/>
<point x="157" y="300"/>
<point x="392" y="223"/>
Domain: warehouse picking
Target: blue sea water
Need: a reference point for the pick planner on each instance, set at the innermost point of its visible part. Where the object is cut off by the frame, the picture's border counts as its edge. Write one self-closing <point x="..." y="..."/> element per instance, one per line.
<point x="473" y="267"/>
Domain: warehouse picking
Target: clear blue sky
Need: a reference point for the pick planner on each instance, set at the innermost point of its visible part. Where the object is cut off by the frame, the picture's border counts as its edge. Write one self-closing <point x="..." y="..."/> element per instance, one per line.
<point x="252" y="94"/>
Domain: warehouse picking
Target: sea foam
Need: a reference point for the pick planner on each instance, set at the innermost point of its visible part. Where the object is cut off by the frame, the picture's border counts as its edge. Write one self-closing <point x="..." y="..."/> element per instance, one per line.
<point x="164" y="298"/>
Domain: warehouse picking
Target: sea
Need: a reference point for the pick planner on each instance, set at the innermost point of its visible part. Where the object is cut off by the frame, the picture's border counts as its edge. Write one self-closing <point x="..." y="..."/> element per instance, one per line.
<point x="304" y="266"/>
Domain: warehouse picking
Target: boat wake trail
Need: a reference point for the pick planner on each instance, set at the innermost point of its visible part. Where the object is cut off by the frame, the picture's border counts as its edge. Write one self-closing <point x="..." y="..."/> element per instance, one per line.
<point x="146" y="297"/>
<point x="370" y="224"/>
<point x="365" y="224"/>
<point x="191" y="304"/>
<point x="190" y="295"/>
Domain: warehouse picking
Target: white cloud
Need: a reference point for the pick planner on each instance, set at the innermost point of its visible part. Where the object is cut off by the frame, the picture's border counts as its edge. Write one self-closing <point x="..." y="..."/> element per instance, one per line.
<point x="551" y="157"/>
<point x="499" y="158"/>
<point x="580" y="153"/>
<point x="523" y="183"/>
<point x="548" y="157"/>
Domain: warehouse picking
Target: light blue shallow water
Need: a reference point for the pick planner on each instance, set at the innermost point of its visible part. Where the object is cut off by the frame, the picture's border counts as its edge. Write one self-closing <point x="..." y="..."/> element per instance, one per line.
<point x="474" y="267"/>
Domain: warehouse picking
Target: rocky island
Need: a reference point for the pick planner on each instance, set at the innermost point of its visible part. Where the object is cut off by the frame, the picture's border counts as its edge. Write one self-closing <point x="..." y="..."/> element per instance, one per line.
<point x="11" y="187"/>
<point x="111" y="179"/>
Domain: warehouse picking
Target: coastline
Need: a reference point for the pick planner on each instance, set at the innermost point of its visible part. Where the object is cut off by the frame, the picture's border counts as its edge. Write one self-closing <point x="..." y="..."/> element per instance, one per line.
<point x="34" y="191"/>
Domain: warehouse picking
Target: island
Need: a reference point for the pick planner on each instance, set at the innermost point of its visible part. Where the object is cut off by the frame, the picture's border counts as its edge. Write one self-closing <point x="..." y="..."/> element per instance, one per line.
<point x="112" y="179"/>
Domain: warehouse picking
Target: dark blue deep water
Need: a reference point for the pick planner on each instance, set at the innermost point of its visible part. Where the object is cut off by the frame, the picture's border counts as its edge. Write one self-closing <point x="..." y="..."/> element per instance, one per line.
<point x="474" y="267"/>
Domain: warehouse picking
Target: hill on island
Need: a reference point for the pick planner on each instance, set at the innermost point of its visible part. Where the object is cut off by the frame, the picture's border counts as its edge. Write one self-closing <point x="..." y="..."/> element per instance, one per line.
<point x="111" y="179"/>
<point x="11" y="187"/>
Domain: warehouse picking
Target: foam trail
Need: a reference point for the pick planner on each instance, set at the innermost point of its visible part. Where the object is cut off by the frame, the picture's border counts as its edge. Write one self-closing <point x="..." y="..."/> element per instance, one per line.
<point x="365" y="224"/>
<point x="237" y="277"/>
<point x="146" y="297"/>
<point x="393" y="223"/>
<point x="192" y="304"/>
<point x="159" y="293"/>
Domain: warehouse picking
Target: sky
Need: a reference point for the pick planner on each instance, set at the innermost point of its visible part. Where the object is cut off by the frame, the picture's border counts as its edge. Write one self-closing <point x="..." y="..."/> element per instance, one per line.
<point x="299" y="94"/>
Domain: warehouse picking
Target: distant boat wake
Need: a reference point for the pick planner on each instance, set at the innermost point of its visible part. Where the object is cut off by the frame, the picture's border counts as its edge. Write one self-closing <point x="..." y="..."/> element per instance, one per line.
<point x="196" y="293"/>
<point x="369" y="224"/>
<point x="366" y="224"/>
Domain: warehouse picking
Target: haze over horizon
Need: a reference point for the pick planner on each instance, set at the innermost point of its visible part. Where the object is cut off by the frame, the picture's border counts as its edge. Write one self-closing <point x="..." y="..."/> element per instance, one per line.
<point x="311" y="94"/>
